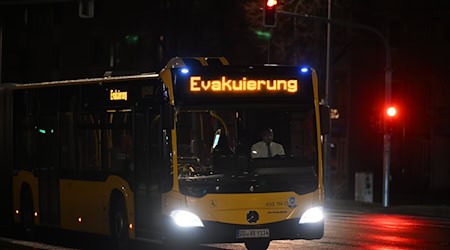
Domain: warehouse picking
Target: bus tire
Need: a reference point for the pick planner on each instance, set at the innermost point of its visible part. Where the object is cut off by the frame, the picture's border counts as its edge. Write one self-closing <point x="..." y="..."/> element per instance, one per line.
<point x="257" y="244"/>
<point x="118" y="221"/>
<point x="27" y="226"/>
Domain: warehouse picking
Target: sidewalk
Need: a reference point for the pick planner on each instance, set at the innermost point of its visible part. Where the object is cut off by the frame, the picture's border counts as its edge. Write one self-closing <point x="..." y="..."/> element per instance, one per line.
<point x="437" y="211"/>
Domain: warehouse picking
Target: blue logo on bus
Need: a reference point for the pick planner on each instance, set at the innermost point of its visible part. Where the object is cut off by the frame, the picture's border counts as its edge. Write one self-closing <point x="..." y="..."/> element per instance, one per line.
<point x="291" y="202"/>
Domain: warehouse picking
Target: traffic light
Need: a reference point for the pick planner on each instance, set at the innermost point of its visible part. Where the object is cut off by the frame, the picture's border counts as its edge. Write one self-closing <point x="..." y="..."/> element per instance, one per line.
<point x="270" y="13"/>
<point x="132" y="39"/>
<point x="391" y="111"/>
<point x="391" y="114"/>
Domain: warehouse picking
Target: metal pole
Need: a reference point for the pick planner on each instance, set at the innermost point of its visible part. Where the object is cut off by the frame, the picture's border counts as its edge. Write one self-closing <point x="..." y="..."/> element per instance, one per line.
<point x="327" y="71"/>
<point x="387" y="89"/>
<point x="386" y="166"/>
<point x="268" y="49"/>
<point x="387" y="133"/>
<point x="326" y="151"/>
<point x="1" y="50"/>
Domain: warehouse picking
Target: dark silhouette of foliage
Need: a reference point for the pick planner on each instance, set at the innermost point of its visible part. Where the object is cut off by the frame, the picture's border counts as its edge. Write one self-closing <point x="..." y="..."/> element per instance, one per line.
<point x="294" y="39"/>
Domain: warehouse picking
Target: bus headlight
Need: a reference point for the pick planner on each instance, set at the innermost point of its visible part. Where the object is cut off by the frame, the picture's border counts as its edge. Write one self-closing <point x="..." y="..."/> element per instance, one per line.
<point x="312" y="215"/>
<point x="186" y="219"/>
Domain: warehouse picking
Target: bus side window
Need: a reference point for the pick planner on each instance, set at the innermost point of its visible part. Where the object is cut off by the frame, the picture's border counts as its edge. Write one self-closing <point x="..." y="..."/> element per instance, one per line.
<point x="68" y="132"/>
<point x="119" y="142"/>
<point x="24" y="132"/>
<point x="148" y="153"/>
<point x="90" y="142"/>
<point x="48" y="128"/>
<point x="141" y="153"/>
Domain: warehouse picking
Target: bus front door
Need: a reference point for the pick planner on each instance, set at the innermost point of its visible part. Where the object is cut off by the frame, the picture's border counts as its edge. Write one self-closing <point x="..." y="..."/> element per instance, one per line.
<point x="147" y="178"/>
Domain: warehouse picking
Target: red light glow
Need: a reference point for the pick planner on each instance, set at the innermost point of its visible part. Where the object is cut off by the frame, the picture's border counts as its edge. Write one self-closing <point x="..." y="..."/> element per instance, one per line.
<point x="391" y="111"/>
<point x="395" y="231"/>
<point x="271" y="3"/>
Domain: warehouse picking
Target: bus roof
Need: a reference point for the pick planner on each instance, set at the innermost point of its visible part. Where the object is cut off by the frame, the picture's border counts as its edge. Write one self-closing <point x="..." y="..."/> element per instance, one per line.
<point x="86" y="81"/>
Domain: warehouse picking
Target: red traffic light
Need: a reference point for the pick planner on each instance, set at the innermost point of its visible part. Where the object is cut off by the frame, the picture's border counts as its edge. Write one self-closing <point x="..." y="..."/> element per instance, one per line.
<point x="391" y="111"/>
<point x="270" y="13"/>
<point x="271" y="3"/>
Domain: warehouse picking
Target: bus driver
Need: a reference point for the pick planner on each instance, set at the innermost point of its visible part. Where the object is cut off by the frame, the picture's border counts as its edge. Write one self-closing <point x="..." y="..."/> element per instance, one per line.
<point x="267" y="148"/>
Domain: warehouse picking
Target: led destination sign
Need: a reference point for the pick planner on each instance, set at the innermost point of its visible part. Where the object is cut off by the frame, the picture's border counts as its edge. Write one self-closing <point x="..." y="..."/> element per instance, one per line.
<point x="118" y="95"/>
<point x="243" y="85"/>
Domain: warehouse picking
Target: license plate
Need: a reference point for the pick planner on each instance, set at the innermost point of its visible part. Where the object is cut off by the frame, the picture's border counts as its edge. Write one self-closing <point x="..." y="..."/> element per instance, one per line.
<point x="252" y="233"/>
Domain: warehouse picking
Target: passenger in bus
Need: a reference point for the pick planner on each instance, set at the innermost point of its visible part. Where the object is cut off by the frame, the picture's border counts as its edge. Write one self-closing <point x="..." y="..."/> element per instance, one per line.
<point x="266" y="148"/>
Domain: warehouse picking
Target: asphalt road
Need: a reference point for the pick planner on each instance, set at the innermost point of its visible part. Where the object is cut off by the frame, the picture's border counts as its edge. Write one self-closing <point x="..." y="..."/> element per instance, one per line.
<point x="350" y="230"/>
<point x="344" y="229"/>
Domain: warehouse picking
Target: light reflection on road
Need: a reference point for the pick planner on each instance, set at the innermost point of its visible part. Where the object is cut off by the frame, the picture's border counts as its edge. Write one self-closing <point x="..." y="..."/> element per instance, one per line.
<point x="354" y="230"/>
<point x="343" y="230"/>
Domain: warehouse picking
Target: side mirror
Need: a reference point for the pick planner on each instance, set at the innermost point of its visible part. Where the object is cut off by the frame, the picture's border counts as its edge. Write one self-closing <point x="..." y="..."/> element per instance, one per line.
<point x="324" y="119"/>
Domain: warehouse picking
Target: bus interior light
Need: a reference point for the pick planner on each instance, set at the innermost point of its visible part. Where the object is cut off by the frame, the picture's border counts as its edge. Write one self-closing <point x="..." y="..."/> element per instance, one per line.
<point x="312" y="215"/>
<point x="184" y="218"/>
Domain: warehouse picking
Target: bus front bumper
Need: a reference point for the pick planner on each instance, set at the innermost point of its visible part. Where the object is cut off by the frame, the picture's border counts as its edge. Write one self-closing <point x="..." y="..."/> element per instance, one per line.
<point x="215" y="232"/>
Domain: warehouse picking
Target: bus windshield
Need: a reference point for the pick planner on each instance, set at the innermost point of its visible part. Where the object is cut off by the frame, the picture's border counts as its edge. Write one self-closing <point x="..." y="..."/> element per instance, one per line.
<point x="224" y="150"/>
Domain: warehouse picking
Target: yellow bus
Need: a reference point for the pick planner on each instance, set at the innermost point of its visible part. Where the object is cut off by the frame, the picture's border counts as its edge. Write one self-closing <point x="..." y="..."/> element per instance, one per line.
<point x="171" y="155"/>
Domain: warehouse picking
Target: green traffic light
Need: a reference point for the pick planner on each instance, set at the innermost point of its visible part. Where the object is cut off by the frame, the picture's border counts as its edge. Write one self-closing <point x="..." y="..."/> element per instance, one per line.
<point x="263" y="34"/>
<point x="132" y="39"/>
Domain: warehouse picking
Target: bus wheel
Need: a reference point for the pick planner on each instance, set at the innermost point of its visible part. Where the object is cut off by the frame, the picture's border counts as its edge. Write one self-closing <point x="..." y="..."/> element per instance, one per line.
<point x="257" y="244"/>
<point x="118" y="223"/>
<point x="27" y="215"/>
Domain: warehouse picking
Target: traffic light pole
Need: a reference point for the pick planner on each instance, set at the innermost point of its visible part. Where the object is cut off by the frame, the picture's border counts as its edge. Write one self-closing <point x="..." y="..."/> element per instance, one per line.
<point x="387" y="90"/>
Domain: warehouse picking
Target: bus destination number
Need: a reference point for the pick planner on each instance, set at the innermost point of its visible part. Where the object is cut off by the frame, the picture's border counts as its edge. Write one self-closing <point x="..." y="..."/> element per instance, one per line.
<point x="252" y="233"/>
